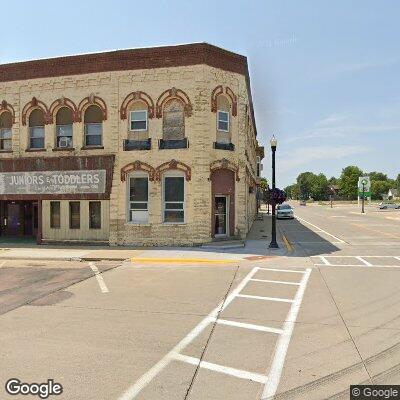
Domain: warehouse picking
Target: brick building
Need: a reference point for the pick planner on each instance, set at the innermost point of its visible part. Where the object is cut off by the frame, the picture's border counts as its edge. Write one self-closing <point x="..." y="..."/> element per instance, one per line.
<point x="152" y="146"/>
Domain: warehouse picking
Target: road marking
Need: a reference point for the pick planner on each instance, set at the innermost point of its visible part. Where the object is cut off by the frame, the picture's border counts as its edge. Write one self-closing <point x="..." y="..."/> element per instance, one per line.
<point x="324" y="260"/>
<point x="365" y="262"/>
<point x="146" y="378"/>
<point x="356" y="265"/>
<point x="282" y="346"/>
<point x="287" y="243"/>
<point x="282" y="270"/>
<point x="2" y="263"/>
<point x="321" y="230"/>
<point x="270" y="281"/>
<point x="248" y="296"/>
<point x="249" y="326"/>
<point x="100" y="280"/>
<point x="181" y="260"/>
<point x="238" y="373"/>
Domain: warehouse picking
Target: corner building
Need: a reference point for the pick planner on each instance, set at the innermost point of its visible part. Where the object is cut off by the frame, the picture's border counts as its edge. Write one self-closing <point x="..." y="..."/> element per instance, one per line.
<point x="152" y="146"/>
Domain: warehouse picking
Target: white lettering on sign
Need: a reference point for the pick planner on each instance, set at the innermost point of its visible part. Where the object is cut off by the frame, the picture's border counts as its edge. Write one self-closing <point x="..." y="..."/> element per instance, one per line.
<point x="53" y="182"/>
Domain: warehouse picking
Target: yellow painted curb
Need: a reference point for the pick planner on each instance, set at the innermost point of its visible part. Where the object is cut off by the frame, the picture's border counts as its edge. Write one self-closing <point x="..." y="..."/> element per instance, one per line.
<point x="287" y="243"/>
<point x="182" y="260"/>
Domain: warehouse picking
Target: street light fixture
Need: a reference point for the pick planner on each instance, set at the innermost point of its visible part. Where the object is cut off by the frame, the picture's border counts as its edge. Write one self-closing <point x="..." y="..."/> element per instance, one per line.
<point x="273" y="244"/>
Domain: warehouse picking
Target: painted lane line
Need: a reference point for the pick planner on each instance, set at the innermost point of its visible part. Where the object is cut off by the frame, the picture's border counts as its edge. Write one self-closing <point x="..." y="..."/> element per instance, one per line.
<point x="326" y="256"/>
<point x="271" y="281"/>
<point x="238" y="373"/>
<point x="321" y="230"/>
<point x="324" y="260"/>
<point x="397" y="258"/>
<point x="100" y="280"/>
<point x="147" y="377"/>
<point x="248" y="296"/>
<point x="282" y="346"/>
<point x="365" y="262"/>
<point x="357" y="265"/>
<point x="253" y="327"/>
<point x="282" y="270"/>
<point x="2" y="263"/>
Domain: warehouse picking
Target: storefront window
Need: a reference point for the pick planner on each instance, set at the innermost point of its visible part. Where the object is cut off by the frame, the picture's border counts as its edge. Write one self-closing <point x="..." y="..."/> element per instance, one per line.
<point x="55" y="215"/>
<point x="94" y="215"/>
<point x="174" y="199"/>
<point x="74" y="215"/>
<point x="138" y="199"/>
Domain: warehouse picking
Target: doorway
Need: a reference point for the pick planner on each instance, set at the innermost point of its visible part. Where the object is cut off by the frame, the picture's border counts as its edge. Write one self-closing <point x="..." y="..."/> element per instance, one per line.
<point x="221" y="216"/>
<point x="18" y="219"/>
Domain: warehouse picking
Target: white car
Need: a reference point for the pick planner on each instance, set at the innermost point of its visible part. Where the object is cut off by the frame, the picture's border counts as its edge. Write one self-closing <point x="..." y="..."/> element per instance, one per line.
<point x="284" y="211"/>
<point x="385" y="206"/>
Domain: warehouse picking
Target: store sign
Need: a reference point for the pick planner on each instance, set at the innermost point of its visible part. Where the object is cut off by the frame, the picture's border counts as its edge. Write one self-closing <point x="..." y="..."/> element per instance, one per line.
<point x="53" y="182"/>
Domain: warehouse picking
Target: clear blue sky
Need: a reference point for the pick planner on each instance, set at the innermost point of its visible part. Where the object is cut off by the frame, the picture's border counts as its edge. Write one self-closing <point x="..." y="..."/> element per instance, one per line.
<point x="325" y="75"/>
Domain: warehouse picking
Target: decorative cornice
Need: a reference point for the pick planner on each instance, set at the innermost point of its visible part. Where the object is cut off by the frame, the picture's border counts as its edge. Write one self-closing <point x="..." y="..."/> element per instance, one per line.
<point x="7" y="107"/>
<point x="134" y="96"/>
<point x="170" y="94"/>
<point x="91" y="100"/>
<point x="33" y="105"/>
<point x="224" y="164"/>
<point x="64" y="102"/>
<point x="173" y="165"/>
<point x="138" y="166"/>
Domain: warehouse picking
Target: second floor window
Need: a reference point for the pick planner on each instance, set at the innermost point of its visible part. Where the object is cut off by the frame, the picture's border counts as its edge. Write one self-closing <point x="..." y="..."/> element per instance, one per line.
<point x="93" y="126"/>
<point x="138" y="119"/>
<point x="223" y="121"/>
<point x="5" y="131"/>
<point x="64" y="128"/>
<point x="174" y="120"/>
<point x="36" y="129"/>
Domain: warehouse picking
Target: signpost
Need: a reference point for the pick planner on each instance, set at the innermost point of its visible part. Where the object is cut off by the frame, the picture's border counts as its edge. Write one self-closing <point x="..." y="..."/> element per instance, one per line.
<point x="364" y="191"/>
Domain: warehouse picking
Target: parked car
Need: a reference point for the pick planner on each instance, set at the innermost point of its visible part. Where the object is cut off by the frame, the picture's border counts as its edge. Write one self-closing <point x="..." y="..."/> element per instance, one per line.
<point x="386" y="206"/>
<point x="284" y="211"/>
<point x="303" y="203"/>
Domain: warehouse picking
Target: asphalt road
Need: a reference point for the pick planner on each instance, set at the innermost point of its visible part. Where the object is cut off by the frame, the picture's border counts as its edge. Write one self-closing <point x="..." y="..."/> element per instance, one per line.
<point x="302" y="326"/>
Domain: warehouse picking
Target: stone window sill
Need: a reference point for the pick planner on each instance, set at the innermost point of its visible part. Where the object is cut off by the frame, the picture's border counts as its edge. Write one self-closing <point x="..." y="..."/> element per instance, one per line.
<point x="63" y="149"/>
<point x="92" y="147"/>
<point x="35" y="150"/>
<point x="6" y="151"/>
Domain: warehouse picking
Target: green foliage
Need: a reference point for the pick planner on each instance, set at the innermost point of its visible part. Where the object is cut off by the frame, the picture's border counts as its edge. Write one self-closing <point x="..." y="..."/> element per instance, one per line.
<point x="312" y="185"/>
<point x="380" y="188"/>
<point x="263" y="184"/>
<point x="377" y="176"/>
<point x="397" y="182"/>
<point x="349" y="182"/>
<point x="292" y="191"/>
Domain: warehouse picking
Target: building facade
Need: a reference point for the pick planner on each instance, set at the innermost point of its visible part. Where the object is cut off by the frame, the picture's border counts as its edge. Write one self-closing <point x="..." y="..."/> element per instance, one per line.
<point x="149" y="146"/>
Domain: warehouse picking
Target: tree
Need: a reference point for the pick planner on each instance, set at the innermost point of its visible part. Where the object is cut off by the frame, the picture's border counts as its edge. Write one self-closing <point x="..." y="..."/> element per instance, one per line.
<point x="263" y="184"/>
<point x="311" y="185"/>
<point x="377" y="176"/>
<point x="398" y="182"/>
<point x="349" y="181"/>
<point x="380" y="188"/>
<point x="292" y="191"/>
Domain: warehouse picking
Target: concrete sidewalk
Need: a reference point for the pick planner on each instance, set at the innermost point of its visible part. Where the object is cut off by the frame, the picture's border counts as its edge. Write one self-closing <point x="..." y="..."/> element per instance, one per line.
<point x="256" y="245"/>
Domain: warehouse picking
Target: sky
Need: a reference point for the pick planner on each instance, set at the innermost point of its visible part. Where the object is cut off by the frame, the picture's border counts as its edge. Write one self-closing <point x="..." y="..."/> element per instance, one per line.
<point x="325" y="75"/>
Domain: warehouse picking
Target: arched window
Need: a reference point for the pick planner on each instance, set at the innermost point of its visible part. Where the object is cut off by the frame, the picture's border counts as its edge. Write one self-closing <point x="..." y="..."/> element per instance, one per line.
<point x="138" y="197"/>
<point x="93" y="126"/>
<point x="6" y="120"/>
<point x="36" y="129"/>
<point x="138" y="120"/>
<point x="64" y="121"/>
<point x="223" y="120"/>
<point x="174" y="120"/>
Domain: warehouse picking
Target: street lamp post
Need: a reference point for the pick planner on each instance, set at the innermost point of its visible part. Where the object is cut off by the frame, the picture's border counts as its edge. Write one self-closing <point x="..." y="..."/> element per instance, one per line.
<point x="273" y="244"/>
<point x="363" y="197"/>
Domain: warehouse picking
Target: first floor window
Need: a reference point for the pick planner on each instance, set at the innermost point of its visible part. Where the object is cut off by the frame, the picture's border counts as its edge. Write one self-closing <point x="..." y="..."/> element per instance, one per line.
<point x="55" y="215"/>
<point x="223" y="121"/>
<point x="138" y="199"/>
<point x="94" y="215"/>
<point x="93" y="134"/>
<point x="139" y="120"/>
<point x="36" y="137"/>
<point x="74" y="215"/>
<point x="5" y="139"/>
<point x="174" y="199"/>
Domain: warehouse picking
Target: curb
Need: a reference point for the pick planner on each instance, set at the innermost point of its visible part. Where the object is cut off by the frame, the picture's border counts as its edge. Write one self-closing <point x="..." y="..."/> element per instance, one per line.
<point x="182" y="260"/>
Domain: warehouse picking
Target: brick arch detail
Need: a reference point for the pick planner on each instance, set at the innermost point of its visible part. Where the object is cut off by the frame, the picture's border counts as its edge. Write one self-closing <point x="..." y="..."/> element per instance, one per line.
<point x="7" y="107"/>
<point x="64" y="102"/>
<point x="224" y="164"/>
<point x="138" y="166"/>
<point x="214" y="96"/>
<point x="90" y="101"/>
<point x="33" y="105"/>
<point x="219" y="90"/>
<point x="170" y="94"/>
<point x="134" y="96"/>
<point x="233" y="98"/>
<point x="174" y="165"/>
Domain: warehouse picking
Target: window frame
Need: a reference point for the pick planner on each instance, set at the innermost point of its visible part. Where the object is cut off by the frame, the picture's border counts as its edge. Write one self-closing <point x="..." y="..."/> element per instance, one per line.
<point x="219" y="120"/>
<point x="174" y="174"/>
<point x="70" y="214"/>
<point x="52" y="226"/>
<point x="31" y="128"/>
<point x="86" y="124"/>
<point x="146" y="120"/>
<point x="3" y="140"/>
<point x="136" y="174"/>
<point x="71" y="136"/>
<point x="90" y="218"/>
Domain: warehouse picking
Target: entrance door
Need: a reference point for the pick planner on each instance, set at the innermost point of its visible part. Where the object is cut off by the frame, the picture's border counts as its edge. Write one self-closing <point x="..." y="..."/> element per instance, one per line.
<point x="221" y="225"/>
<point x="13" y="219"/>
